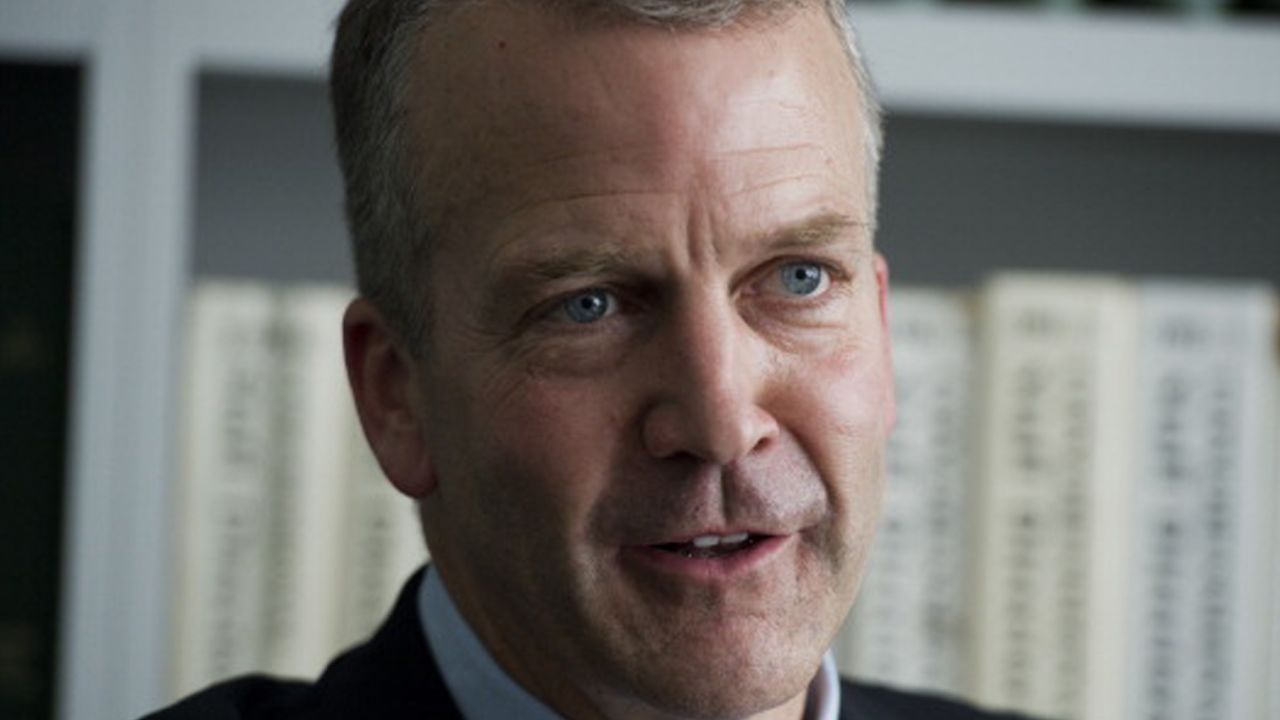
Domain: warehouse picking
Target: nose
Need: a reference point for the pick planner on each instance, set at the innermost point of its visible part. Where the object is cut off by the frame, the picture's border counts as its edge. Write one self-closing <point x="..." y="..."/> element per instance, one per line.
<point x="710" y="372"/>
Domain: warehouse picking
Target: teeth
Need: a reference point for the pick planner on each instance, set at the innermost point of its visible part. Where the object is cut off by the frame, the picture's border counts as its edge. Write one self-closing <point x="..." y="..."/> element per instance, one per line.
<point x="710" y="545"/>
<point x="710" y="541"/>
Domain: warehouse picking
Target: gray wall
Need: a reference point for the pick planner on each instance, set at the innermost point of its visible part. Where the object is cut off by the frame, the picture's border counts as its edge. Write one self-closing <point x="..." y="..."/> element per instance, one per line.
<point x="268" y="194"/>
<point x="964" y="196"/>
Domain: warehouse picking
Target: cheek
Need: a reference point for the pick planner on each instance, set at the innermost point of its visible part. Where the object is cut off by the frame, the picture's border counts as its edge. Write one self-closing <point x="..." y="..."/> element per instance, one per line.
<point x="841" y="394"/>
<point x="555" y="455"/>
<point x="835" y="406"/>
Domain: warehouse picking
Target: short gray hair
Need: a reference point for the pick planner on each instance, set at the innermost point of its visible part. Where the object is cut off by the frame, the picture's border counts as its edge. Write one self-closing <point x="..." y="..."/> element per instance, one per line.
<point x="385" y="196"/>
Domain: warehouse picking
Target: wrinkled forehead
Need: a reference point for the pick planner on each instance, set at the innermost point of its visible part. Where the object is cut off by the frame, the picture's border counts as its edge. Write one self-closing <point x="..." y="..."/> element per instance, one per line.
<point x="506" y="88"/>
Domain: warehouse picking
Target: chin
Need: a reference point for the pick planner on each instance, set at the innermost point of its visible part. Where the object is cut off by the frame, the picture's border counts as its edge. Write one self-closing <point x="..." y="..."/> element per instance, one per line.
<point x="727" y="684"/>
<point x="707" y="699"/>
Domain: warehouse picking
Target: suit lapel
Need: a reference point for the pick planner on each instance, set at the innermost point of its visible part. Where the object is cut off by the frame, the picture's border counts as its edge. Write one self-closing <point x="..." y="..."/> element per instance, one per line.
<point x="391" y="677"/>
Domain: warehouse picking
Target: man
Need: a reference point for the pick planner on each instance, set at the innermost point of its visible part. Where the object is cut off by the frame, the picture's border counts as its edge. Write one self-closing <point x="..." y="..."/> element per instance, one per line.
<point x="622" y="337"/>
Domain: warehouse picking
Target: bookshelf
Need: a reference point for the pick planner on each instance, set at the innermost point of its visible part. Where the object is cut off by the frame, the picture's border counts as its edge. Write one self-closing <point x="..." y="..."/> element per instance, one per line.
<point x="156" y="66"/>
<point x="1046" y="63"/>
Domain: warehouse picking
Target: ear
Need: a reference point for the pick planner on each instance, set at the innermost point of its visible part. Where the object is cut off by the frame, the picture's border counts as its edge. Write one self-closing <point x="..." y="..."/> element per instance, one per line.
<point x="385" y="382"/>
<point x="882" y="288"/>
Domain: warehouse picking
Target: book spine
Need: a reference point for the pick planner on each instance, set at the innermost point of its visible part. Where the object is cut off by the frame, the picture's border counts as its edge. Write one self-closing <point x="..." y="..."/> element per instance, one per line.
<point x="1270" y="681"/>
<point x="1051" y="516"/>
<point x="1203" y="475"/>
<point x="383" y="544"/>
<point x="313" y="415"/>
<point x="222" y="520"/>
<point x="908" y="624"/>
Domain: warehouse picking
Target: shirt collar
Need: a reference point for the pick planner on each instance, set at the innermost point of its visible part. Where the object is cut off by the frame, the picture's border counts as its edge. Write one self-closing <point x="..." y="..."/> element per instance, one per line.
<point x="483" y="690"/>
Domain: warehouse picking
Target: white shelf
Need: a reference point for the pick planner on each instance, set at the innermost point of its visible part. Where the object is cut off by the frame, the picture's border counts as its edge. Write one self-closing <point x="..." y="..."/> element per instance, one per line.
<point x="1161" y="70"/>
<point x="1126" y="68"/>
<point x="1164" y="70"/>
<point x="50" y="30"/>
<point x="280" y="37"/>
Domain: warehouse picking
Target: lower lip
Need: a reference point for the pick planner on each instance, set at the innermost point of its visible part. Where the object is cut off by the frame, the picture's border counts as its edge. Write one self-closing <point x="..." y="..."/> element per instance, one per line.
<point x="710" y="569"/>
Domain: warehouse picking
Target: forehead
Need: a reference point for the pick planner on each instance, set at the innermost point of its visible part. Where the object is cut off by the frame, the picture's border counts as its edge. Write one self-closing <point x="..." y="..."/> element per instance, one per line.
<point x="508" y="93"/>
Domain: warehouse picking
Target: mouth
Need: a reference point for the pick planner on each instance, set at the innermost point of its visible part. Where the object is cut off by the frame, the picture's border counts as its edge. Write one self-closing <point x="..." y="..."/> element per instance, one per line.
<point x="712" y="546"/>
<point x="708" y="557"/>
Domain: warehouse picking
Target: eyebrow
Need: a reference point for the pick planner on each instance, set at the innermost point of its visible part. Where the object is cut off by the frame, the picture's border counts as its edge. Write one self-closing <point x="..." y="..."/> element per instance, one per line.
<point x="818" y="231"/>
<point x="521" y="278"/>
<point x="823" y="230"/>
<point x="580" y="261"/>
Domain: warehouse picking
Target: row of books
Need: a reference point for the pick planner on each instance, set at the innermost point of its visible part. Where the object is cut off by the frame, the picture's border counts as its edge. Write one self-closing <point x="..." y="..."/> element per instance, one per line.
<point x="1082" y="491"/>
<point x="290" y="544"/>
<point x="1082" y="501"/>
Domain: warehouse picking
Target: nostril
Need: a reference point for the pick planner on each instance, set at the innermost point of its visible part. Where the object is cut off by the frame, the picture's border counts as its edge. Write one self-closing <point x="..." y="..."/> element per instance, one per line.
<point x="719" y="435"/>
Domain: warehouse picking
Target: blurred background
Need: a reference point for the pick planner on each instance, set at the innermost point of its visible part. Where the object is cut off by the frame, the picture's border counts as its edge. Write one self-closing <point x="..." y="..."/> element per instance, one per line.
<point x="147" y="146"/>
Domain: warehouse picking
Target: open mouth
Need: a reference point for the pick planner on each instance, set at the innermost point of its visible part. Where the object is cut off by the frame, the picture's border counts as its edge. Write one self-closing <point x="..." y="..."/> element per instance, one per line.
<point x="712" y="546"/>
<point x="709" y="558"/>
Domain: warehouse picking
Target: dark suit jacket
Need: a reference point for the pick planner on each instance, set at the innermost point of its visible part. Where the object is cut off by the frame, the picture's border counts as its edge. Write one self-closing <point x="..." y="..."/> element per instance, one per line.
<point x="394" y="677"/>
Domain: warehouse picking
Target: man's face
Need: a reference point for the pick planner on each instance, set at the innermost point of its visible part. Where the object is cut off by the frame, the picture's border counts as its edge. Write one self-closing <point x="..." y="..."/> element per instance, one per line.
<point x="658" y="323"/>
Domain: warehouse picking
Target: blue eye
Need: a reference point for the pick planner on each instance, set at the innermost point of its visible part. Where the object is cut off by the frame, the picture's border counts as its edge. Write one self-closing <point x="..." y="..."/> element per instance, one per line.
<point x="802" y="278"/>
<point x="589" y="306"/>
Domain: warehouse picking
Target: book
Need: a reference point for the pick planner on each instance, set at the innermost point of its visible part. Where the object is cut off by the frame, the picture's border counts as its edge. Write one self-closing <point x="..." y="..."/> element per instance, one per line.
<point x="908" y="625"/>
<point x="1271" y="674"/>
<point x="1204" y="482"/>
<point x="1078" y="519"/>
<point x="1053" y="495"/>
<point x="383" y="544"/>
<point x="312" y="415"/>
<point x="223" y="499"/>
<point x="292" y="544"/>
